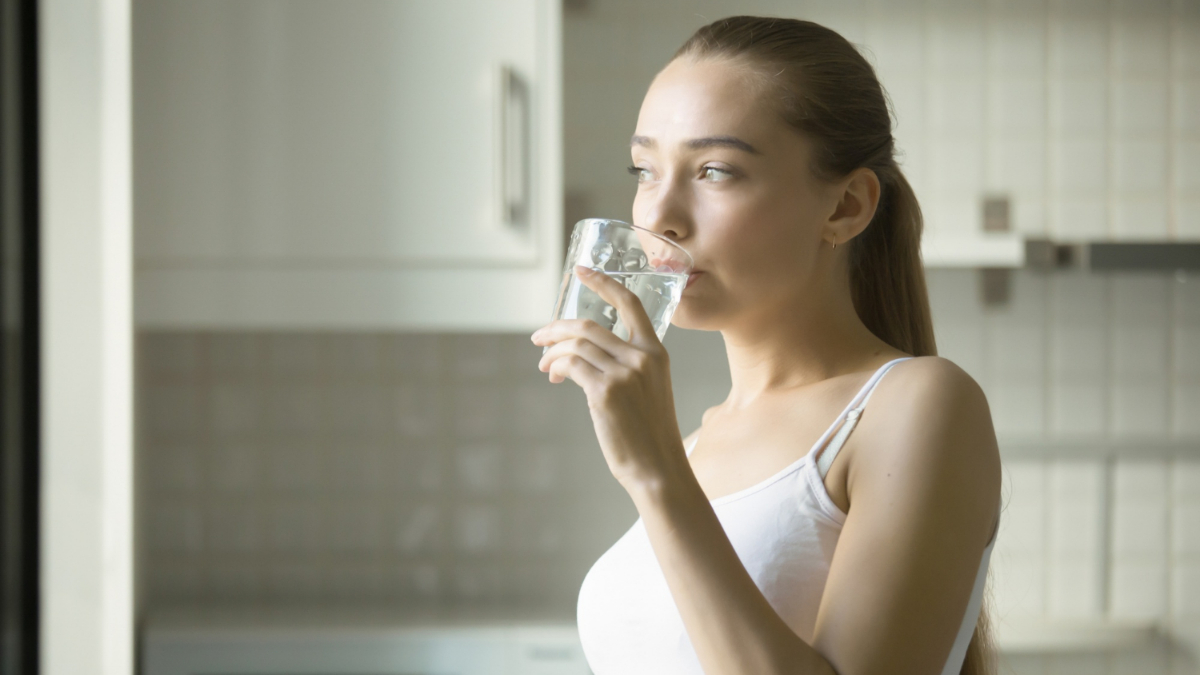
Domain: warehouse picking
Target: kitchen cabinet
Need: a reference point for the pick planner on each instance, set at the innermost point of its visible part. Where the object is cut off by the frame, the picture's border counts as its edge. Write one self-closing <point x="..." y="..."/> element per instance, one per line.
<point x="360" y="164"/>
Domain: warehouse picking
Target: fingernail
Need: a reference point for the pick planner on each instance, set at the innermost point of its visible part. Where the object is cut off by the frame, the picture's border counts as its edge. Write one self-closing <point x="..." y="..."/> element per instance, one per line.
<point x="580" y="269"/>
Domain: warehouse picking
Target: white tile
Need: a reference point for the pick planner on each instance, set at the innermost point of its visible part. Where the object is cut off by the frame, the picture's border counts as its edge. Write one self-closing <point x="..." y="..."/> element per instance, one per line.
<point x="177" y="527"/>
<point x="1029" y="213"/>
<point x="295" y="465"/>
<point x="1186" y="590"/>
<point x="475" y="357"/>
<point x="1026" y="482"/>
<point x="355" y="581"/>
<point x="1185" y="420"/>
<point x="295" y="580"/>
<point x="1139" y="107"/>
<point x="1079" y="107"/>
<point x="162" y="355"/>
<point x="1140" y="166"/>
<point x="295" y="408"/>
<point x="418" y="411"/>
<point x="1185" y="529"/>
<point x="542" y="468"/>
<point x="477" y="529"/>
<point x="1140" y="218"/>
<point x="1022" y="530"/>
<point x="419" y="528"/>
<point x="480" y="411"/>
<point x="1140" y="313"/>
<point x="1079" y="218"/>
<point x="234" y="526"/>
<point x="1017" y="107"/>
<point x="412" y="355"/>
<point x="173" y="410"/>
<point x="963" y="344"/>
<point x="1078" y="409"/>
<point x="908" y="102"/>
<point x="1139" y="590"/>
<point x="1139" y="409"/>
<point x="898" y="45"/>
<point x="1017" y="45"/>
<point x="1079" y="46"/>
<point x="1185" y="481"/>
<point x="355" y="526"/>
<point x="956" y="165"/>
<point x="236" y="581"/>
<point x="1185" y="43"/>
<point x="296" y="356"/>
<point x="1016" y="350"/>
<point x="1187" y="218"/>
<point x="175" y="468"/>
<point x="356" y="356"/>
<point x="297" y="525"/>
<point x="1186" y="348"/>
<point x="358" y="467"/>
<point x="1185" y="117"/>
<point x="1186" y="170"/>
<point x="479" y="467"/>
<point x="1079" y="351"/>
<point x="235" y="408"/>
<point x="1074" y="588"/>
<point x="235" y="466"/>
<point x="358" y="409"/>
<point x="956" y="107"/>
<point x="1140" y="47"/>
<point x="236" y="356"/>
<point x="1079" y="165"/>
<point x="1142" y="481"/>
<point x="951" y="213"/>
<point x="1018" y="408"/>
<point x="1019" y="587"/>
<point x="956" y="44"/>
<point x="1016" y="165"/>
<point x="1139" y="529"/>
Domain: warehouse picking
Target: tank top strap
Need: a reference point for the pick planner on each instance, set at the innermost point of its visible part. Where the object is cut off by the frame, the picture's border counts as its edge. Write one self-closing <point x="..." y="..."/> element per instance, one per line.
<point x="830" y="444"/>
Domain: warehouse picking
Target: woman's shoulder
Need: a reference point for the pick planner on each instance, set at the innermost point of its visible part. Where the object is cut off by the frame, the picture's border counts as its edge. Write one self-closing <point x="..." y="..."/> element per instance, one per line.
<point x="928" y="407"/>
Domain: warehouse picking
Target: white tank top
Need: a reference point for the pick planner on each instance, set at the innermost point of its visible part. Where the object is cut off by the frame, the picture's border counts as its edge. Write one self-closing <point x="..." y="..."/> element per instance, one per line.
<point x="783" y="529"/>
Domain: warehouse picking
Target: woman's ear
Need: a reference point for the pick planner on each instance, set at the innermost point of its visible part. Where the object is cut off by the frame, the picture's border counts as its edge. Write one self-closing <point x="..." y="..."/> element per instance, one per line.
<point x="856" y="206"/>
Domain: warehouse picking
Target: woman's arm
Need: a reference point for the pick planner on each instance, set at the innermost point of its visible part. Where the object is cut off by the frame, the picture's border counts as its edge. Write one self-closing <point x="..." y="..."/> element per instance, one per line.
<point x="923" y="490"/>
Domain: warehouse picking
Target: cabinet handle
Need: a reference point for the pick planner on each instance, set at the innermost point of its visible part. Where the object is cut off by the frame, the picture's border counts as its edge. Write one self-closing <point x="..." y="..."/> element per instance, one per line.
<point x="512" y="131"/>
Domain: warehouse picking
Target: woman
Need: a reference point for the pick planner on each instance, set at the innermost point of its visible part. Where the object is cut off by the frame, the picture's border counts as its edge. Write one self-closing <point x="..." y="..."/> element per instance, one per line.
<point x="770" y="540"/>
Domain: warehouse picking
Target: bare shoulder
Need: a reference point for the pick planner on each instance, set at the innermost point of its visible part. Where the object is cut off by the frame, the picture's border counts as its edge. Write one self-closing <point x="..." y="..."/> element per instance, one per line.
<point x="928" y="421"/>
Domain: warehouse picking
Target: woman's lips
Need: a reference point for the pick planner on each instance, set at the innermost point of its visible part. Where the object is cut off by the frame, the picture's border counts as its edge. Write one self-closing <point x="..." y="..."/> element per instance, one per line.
<point x="692" y="278"/>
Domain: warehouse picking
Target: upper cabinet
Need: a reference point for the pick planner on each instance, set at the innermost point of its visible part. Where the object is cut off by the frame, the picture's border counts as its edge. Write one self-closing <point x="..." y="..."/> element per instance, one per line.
<point x="360" y="164"/>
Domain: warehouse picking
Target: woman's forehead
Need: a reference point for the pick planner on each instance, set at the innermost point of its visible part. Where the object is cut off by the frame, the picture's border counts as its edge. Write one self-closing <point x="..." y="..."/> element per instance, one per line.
<point x="703" y="98"/>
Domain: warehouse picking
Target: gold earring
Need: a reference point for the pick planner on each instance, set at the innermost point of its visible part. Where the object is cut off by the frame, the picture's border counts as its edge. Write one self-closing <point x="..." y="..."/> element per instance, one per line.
<point x="835" y="245"/>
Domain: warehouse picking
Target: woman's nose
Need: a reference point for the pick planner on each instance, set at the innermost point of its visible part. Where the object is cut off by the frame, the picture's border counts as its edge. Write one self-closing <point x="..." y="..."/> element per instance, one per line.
<point x="668" y="213"/>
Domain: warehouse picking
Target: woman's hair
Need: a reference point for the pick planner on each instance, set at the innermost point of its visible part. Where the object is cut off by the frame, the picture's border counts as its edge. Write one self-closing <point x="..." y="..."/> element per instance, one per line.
<point x="827" y="91"/>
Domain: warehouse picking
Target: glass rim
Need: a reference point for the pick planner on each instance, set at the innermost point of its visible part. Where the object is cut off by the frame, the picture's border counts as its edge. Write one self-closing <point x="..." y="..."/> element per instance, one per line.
<point x="690" y="261"/>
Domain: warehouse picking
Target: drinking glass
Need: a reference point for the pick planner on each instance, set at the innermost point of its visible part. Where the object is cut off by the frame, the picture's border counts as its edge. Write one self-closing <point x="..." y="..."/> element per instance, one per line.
<point x="653" y="267"/>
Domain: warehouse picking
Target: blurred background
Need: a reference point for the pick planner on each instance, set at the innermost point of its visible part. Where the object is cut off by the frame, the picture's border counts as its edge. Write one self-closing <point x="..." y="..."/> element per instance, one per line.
<point x="349" y="216"/>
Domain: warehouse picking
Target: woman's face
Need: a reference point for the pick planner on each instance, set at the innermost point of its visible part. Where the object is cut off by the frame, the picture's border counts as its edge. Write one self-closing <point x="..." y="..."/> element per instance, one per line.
<point x="721" y="173"/>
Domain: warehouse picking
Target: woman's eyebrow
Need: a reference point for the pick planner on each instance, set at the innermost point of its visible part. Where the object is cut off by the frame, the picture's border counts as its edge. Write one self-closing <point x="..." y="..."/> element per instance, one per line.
<point x="706" y="142"/>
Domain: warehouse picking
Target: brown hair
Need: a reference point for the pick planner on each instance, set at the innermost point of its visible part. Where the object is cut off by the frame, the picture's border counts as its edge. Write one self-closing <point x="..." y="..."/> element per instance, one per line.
<point x="830" y="93"/>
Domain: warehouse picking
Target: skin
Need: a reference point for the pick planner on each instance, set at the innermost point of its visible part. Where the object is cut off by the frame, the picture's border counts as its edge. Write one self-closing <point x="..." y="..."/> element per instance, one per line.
<point x="920" y="476"/>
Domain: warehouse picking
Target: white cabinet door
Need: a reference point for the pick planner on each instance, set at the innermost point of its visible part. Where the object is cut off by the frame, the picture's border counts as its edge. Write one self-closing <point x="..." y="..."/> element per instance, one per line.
<point x="346" y="163"/>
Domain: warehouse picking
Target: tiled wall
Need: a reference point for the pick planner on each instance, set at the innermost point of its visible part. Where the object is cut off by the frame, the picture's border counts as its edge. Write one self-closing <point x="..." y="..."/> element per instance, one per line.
<point x="327" y="469"/>
<point x="1086" y="113"/>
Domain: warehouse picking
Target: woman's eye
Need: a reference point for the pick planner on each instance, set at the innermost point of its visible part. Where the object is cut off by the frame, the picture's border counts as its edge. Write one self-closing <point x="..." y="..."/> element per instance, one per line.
<point x="712" y="173"/>
<point x="641" y="174"/>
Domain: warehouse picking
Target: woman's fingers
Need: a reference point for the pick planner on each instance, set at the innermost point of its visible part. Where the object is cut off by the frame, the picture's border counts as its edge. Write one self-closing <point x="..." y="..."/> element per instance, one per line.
<point x="581" y="347"/>
<point x="577" y="369"/>
<point x="629" y="308"/>
<point x="568" y="329"/>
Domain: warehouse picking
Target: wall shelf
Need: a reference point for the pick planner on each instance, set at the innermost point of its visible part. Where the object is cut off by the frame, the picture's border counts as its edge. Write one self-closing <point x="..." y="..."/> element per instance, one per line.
<point x="1042" y="636"/>
<point x="981" y="250"/>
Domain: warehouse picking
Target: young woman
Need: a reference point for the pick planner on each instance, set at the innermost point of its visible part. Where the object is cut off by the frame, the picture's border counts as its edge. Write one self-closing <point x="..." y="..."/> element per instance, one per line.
<point x="772" y="539"/>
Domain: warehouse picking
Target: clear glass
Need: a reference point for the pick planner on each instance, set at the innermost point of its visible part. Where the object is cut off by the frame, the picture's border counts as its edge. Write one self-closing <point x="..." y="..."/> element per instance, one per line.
<point x="655" y="268"/>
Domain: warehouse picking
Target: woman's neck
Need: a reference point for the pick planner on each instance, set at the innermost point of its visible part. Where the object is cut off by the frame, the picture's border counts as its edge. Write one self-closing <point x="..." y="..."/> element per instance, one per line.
<point x="797" y="344"/>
